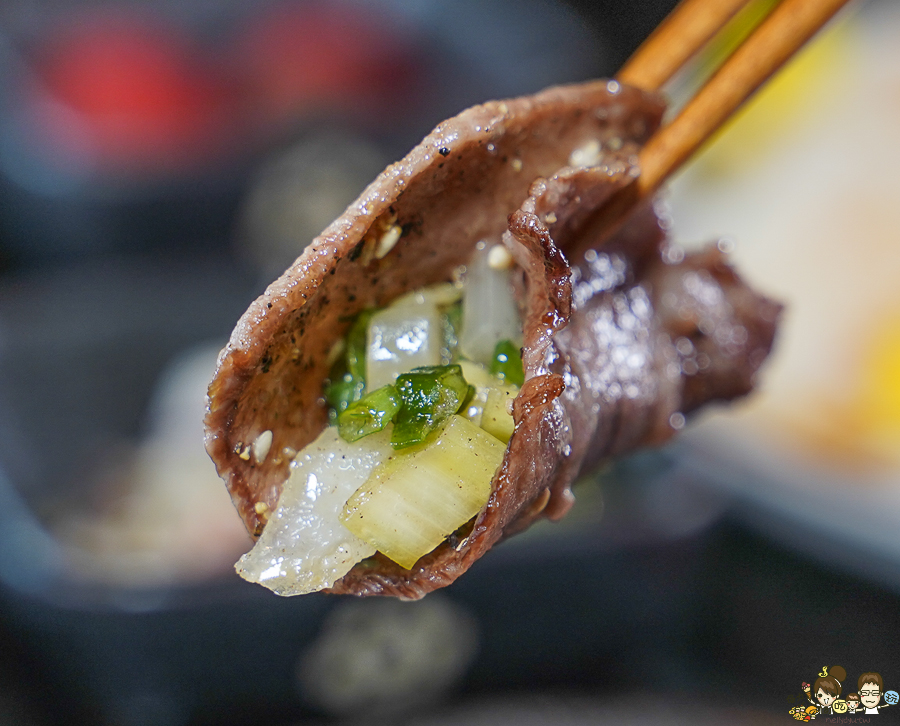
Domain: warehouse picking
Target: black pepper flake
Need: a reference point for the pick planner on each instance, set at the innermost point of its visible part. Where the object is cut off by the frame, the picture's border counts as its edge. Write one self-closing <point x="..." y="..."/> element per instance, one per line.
<point x="444" y="151"/>
<point x="266" y="363"/>
<point x="356" y="251"/>
<point x="351" y="297"/>
<point x="269" y="305"/>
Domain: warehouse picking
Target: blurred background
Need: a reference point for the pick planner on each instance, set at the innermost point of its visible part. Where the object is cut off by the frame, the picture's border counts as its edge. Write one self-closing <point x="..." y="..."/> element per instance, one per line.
<point x="161" y="162"/>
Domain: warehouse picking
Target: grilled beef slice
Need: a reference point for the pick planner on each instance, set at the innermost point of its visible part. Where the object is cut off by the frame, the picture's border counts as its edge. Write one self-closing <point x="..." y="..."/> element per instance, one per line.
<point x="623" y="334"/>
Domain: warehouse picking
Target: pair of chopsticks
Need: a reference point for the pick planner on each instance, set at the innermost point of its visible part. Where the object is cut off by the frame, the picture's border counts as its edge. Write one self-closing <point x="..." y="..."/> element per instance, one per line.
<point x="680" y="36"/>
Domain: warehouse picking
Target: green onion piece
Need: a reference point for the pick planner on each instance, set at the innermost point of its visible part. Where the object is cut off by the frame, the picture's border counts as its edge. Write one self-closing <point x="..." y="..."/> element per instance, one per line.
<point x="452" y="317"/>
<point x="356" y="345"/>
<point x="506" y="363"/>
<point x="430" y="395"/>
<point x="369" y="414"/>
<point x="347" y="382"/>
<point x="341" y="393"/>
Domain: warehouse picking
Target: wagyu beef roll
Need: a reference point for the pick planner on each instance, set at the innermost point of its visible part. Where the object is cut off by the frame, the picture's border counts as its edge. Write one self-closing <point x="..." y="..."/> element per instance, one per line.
<point x="439" y="365"/>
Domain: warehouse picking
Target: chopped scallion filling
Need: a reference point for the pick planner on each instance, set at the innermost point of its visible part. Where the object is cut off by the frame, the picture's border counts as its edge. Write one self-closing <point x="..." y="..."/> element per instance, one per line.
<point x="452" y="319"/>
<point x="347" y="380"/>
<point x="407" y="350"/>
<point x="356" y="345"/>
<point x="430" y="395"/>
<point x="506" y="363"/>
<point x="417" y="403"/>
<point x="369" y="414"/>
<point x="342" y="392"/>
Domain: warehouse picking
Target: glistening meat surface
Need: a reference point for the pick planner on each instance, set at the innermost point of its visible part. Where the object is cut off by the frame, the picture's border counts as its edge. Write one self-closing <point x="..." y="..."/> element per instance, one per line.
<point x="617" y="339"/>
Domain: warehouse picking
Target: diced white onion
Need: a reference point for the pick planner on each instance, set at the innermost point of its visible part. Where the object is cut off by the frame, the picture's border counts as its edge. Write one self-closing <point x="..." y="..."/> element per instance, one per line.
<point x="496" y="415"/>
<point x="489" y="309"/>
<point x="412" y="503"/>
<point x="400" y="338"/>
<point x="488" y="407"/>
<point x="478" y="376"/>
<point x="304" y="547"/>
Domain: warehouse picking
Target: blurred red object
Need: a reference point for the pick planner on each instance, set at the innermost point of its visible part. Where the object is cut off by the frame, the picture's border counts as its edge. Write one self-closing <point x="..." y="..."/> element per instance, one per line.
<point x="123" y="89"/>
<point x="312" y="57"/>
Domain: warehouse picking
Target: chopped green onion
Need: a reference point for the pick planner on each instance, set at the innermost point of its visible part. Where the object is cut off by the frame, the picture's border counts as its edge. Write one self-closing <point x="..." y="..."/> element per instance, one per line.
<point x="341" y="393"/>
<point x="356" y="345"/>
<point x="430" y="395"/>
<point x="452" y="319"/>
<point x="507" y="363"/>
<point x="369" y="414"/>
<point x="347" y="381"/>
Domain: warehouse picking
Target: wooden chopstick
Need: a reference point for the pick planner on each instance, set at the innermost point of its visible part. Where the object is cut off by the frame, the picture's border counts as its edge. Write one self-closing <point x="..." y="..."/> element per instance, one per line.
<point x="771" y="44"/>
<point x="676" y="40"/>
<point x="774" y="41"/>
